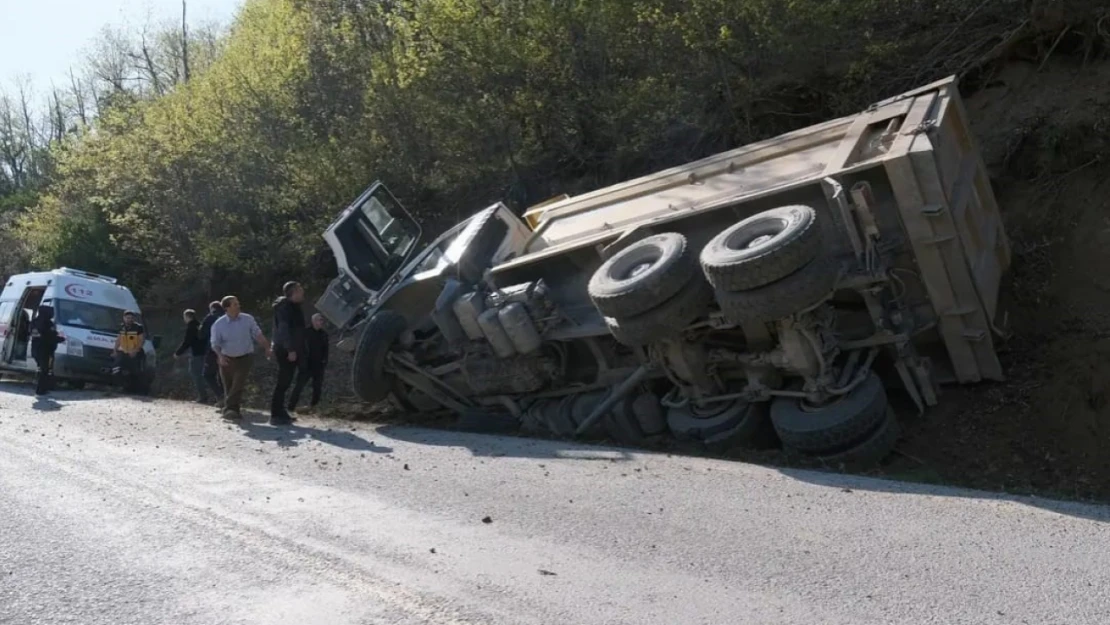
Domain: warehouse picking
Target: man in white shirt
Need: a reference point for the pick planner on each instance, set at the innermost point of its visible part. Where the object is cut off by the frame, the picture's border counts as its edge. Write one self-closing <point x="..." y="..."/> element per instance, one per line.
<point x="234" y="338"/>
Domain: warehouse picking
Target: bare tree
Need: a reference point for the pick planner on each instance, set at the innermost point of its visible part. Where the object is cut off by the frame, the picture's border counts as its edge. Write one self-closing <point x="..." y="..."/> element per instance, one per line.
<point x="110" y="62"/>
<point x="13" y="152"/>
<point x="146" y="65"/>
<point x="184" y="42"/>
<point x="77" y="92"/>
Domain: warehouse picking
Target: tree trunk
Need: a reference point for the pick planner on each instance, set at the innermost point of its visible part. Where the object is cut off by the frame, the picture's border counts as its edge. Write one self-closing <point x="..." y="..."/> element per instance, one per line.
<point x="184" y="43"/>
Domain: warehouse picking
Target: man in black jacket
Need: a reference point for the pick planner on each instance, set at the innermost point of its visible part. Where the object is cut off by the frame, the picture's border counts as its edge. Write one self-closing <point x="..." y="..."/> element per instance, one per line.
<point x="44" y="342"/>
<point x="288" y="347"/>
<point x="316" y="360"/>
<point x="195" y="349"/>
<point x="211" y="365"/>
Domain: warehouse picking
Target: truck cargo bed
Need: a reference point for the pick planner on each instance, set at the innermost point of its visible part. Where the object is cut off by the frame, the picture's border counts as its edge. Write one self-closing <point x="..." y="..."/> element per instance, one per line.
<point x="926" y="182"/>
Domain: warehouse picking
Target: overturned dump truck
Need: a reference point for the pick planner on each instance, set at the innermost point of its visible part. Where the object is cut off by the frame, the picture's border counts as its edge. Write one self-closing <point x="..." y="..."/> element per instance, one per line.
<point x="774" y="292"/>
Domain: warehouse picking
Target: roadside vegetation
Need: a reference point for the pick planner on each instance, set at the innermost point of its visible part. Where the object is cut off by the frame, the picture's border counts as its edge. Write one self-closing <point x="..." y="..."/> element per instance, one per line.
<point x="193" y="163"/>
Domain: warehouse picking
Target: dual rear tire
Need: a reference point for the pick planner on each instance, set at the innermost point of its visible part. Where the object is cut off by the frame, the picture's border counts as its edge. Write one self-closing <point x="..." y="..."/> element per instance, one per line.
<point x="856" y="429"/>
<point x="650" y="290"/>
<point x="769" y="266"/>
<point x="764" y="268"/>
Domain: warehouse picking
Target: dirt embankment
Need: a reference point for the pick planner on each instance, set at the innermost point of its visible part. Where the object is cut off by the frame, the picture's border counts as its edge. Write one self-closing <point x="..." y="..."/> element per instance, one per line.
<point x="1044" y="134"/>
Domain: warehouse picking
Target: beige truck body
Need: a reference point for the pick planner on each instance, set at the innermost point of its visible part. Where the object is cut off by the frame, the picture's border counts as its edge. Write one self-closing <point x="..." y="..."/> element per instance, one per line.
<point x="908" y="168"/>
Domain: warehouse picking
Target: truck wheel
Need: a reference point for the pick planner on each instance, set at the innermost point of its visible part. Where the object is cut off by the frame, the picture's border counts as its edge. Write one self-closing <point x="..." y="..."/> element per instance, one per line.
<point x="666" y="320"/>
<point x="649" y="414"/>
<point x="735" y="422"/>
<point x="872" y="449"/>
<point x="641" y="275"/>
<point x="835" y="426"/>
<point x="792" y="294"/>
<point x="581" y="405"/>
<point x="622" y="426"/>
<point x="487" y="421"/>
<point x="369" y="379"/>
<point x="762" y="249"/>
<point x="413" y="401"/>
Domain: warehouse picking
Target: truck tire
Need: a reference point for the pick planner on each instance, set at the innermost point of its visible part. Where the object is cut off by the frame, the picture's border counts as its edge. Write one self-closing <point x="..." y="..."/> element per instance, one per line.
<point x="641" y="275"/>
<point x="486" y="421"/>
<point x="622" y="426"/>
<point x="733" y="422"/>
<point x="872" y="449"/>
<point x="762" y="249"/>
<point x="558" y="419"/>
<point x="779" y="300"/>
<point x="835" y="426"/>
<point x="648" y="414"/>
<point x="369" y="379"/>
<point x="413" y="401"/>
<point x="667" y="320"/>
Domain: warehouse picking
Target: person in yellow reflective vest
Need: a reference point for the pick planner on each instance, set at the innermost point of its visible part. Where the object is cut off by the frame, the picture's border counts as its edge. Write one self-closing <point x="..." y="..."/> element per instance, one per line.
<point x="128" y="353"/>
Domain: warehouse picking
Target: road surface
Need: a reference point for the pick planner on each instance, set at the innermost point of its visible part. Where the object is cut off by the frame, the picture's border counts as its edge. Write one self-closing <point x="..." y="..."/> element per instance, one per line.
<point x="118" y="511"/>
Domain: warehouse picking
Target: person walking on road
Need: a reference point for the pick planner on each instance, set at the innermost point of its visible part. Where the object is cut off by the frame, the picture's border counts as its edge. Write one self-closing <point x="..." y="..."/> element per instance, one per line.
<point x="316" y="360"/>
<point x="234" y="337"/>
<point x="194" y="348"/>
<point x="211" y="365"/>
<point x="289" y="343"/>
<point x="44" y="342"/>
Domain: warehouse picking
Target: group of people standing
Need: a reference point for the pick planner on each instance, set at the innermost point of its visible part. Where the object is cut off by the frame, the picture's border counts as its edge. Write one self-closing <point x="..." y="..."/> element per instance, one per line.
<point x="221" y="351"/>
<point x="127" y="353"/>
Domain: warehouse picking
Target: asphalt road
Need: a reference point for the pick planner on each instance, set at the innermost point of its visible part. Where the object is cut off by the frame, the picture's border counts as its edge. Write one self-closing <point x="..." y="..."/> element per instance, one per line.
<point x="120" y="511"/>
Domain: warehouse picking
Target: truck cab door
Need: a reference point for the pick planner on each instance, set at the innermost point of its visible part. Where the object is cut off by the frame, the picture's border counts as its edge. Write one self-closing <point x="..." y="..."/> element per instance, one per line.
<point x="372" y="239"/>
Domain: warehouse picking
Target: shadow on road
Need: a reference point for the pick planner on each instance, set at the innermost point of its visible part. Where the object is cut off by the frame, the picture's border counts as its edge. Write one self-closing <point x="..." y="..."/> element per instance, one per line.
<point x="486" y="445"/>
<point x="491" y="446"/>
<point x="254" y="426"/>
<point x="45" y="404"/>
<point x="841" y="481"/>
<point x="60" y="392"/>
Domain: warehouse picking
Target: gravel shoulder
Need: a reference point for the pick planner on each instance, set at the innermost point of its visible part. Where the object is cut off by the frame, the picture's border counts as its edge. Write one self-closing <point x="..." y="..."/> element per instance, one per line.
<point x="117" y="510"/>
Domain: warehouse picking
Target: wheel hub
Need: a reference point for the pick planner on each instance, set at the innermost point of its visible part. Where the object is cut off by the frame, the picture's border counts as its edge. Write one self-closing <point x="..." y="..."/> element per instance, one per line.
<point x="708" y="411"/>
<point x="805" y="405"/>
<point x="760" y="240"/>
<point x="638" y="269"/>
<point x="756" y="234"/>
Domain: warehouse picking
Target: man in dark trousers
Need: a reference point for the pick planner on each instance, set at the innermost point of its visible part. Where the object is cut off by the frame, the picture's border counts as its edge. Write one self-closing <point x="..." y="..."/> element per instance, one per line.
<point x="235" y="337"/>
<point x="194" y="348"/>
<point x="44" y="342"/>
<point x="288" y="347"/>
<point x="211" y="363"/>
<point x="316" y="360"/>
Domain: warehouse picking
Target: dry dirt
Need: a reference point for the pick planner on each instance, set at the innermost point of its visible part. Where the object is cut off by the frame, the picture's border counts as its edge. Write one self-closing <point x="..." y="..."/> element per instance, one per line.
<point x="1047" y="429"/>
<point x="1043" y="136"/>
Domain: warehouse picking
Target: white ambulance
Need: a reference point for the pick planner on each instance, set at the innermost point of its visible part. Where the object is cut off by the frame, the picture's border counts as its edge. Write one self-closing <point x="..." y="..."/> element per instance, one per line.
<point x="88" y="310"/>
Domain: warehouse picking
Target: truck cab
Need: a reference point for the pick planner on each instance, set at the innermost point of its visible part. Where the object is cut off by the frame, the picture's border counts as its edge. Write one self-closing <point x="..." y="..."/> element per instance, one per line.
<point x="375" y="243"/>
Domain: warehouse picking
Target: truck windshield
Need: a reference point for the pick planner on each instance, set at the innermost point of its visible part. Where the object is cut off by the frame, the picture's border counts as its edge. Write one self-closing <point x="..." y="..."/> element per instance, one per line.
<point x="376" y="239"/>
<point x="88" y="316"/>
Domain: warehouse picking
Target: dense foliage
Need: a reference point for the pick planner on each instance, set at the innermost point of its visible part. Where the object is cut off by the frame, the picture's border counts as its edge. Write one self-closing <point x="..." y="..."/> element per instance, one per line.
<point x="225" y="179"/>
